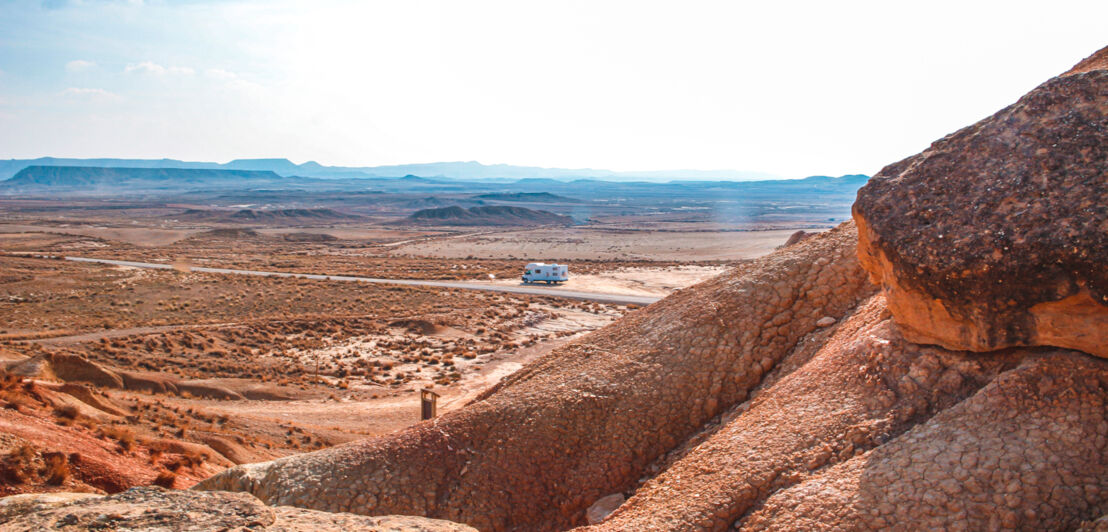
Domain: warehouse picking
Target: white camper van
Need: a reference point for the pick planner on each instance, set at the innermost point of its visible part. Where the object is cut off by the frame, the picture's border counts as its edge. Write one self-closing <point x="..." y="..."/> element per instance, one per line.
<point x="551" y="273"/>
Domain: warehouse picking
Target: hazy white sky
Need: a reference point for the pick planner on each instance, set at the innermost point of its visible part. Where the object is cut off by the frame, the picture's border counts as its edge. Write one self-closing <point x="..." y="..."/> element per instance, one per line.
<point x="789" y="88"/>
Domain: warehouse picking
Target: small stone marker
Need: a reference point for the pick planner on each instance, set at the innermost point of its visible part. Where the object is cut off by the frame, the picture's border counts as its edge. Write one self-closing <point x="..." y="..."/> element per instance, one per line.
<point x="429" y="403"/>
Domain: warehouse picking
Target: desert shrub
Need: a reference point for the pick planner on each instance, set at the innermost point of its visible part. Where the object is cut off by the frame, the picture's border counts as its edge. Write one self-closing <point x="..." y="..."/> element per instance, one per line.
<point x="165" y="479"/>
<point x="124" y="436"/>
<point x="9" y="381"/>
<point x="56" y="469"/>
<point x="18" y="466"/>
<point x="66" y="414"/>
<point x="194" y="459"/>
<point x="15" y="401"/>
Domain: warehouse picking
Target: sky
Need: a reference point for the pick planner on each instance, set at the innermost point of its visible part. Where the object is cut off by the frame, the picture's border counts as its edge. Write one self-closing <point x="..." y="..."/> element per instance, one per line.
<point x="789" y="88"/>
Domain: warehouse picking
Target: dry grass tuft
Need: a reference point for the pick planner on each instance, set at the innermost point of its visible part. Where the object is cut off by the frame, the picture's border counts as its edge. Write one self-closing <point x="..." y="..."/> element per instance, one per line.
<point x="165" y="479"/>
<point x="67" y="414"/>
<point x="124" y="436"/>
<point x="56" y="470"/>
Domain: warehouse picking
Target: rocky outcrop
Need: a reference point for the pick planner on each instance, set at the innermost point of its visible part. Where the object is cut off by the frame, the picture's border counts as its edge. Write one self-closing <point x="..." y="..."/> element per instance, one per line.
<point x="864" y="386"/>
<point x="1026" y="452"/>
<point x="997" y="235"/>
<point x="73" y="368"/>
<point x="159" y="509"/>
<point x="1097" y="61"/>
<point x="796" y="237"/>
<point x="586" y="421"/>
<point x="790" y="394"/>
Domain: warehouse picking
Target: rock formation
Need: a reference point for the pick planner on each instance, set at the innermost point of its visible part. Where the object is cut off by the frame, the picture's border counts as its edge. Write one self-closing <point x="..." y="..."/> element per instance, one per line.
<point x="796" y="237"/>
<point x="1027" y="451"/>
<point x="792" y="394"/>
<point x="159" y="509"/>
<point x="997" y="235"/>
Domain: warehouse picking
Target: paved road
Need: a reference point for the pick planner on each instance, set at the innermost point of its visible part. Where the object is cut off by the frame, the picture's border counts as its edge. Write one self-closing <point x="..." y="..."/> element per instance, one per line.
<point x="618" y="299"/>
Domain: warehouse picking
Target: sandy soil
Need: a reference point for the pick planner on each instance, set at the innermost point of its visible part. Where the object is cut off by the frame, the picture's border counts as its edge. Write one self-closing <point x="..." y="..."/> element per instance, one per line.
<point x="595" y="243"/>
<point x="659" y="282"/>
<point x="244" y="369"/>
<point x="397" y="409"/>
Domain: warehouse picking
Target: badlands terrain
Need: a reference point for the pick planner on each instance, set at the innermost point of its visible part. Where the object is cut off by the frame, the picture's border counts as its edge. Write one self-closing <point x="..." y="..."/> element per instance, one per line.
<point x="935" y="362"/>
<point x="115" y="376"/>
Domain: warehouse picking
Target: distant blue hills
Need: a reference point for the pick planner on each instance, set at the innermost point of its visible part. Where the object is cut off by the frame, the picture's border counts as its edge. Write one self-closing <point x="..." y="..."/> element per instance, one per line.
<point x="65" y="178"/>
<point x="821" y="198"/>
<point x="470" y="170"/>
<point x="250" y="185"/>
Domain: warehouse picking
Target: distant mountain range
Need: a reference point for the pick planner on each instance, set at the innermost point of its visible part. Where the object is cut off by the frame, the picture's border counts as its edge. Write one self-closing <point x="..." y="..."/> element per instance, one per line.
<point x="269" y="216"/>
<point x="450" y="170"/>
<point x="110" y="180"/>
<point x="257" y="185"/>
<point x="260" y="193"/>
<point x="487" y="215"/>
<point x="528" y="197"/>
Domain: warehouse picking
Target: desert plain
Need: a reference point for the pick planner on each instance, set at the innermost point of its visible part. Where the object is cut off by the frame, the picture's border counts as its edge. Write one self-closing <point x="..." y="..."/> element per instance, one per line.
<point x="200" y="371"/>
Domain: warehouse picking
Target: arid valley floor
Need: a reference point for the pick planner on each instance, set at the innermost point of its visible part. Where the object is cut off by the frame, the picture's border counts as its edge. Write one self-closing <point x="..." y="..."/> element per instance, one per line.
<point x="166" y="376"/>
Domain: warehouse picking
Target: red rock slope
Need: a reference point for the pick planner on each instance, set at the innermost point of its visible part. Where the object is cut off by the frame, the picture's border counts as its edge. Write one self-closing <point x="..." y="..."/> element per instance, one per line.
<point x="589" y="419"/>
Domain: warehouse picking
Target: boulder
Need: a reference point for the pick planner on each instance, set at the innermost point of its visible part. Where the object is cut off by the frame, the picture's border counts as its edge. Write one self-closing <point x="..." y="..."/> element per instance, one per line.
<point x="797" y="237"/>
<point x="997" y="235"/>
<point x="604" y="507"/>
<point x="825" y="321"/>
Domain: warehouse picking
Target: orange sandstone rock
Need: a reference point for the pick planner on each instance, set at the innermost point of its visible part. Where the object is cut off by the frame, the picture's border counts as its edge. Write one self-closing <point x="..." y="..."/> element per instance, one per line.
<point x="997" y="235"/>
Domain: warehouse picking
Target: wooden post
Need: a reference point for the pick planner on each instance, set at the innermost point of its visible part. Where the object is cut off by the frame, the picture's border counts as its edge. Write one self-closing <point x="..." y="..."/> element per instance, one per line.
<point x="429" y="403"/>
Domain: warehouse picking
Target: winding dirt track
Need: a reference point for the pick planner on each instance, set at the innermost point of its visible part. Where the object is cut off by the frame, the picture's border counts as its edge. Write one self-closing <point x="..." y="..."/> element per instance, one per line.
<point x="616" y="299"/>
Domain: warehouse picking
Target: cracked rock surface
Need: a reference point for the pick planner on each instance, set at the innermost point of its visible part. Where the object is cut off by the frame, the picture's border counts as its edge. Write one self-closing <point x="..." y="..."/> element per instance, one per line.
<point x="1027" y="452"/>
<point x="864" y="387"/>
<point x="184" y="511"/>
